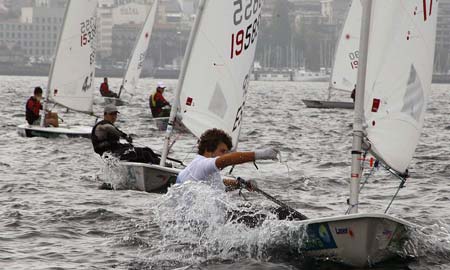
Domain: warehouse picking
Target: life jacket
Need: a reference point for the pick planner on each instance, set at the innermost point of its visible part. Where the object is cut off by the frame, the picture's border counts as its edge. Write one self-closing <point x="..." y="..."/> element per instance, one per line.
<point x="105" y="144"/>
<point x="32" y="110"/>
<point x="104" y="89"/>
<point x="156" y="110"/>
<point x="152" y="101"/>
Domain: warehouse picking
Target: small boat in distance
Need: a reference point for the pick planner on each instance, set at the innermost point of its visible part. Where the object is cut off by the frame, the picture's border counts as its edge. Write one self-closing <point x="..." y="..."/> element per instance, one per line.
<point x="70" y="82"/>
<point x="345" y="68"/>
<point x="137" y="58"/>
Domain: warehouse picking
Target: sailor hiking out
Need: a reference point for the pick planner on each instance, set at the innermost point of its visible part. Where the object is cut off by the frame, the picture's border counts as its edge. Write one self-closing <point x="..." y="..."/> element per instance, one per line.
<point x="213" y="156"/>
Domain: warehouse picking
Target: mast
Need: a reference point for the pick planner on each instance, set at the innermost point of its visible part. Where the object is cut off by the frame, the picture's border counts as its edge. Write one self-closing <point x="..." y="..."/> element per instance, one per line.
<point x="358" y="130"/>
<point x="187" y="57"/>
<point x="47" y="93"/>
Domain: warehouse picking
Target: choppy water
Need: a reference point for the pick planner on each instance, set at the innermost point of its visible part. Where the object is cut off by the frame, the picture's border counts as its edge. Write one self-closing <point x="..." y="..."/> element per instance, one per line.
<point x="53" y="216"/>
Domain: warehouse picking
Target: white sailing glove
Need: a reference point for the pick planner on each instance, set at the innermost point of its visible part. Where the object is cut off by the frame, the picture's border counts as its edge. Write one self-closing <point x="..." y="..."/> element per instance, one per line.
<point x="268" y="153"/>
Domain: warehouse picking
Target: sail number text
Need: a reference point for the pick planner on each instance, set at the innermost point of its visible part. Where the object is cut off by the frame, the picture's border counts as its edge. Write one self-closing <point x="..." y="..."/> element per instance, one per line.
<point x="240" y="111"/>
<point x="244" y="38"/>
<point x="354" y="59"/>
<point x="88" y="30"/>
<point x="427" y="10"/>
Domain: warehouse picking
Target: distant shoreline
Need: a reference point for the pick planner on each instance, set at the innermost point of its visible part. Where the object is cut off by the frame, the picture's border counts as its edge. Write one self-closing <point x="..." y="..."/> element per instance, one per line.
<point x="42" y="70"/>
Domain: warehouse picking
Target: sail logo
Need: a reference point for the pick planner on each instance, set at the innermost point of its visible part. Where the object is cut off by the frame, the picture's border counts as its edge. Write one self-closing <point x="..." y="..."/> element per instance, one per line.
<point x="341" y="230"/>
<point x="324" y="235"/>
<point x="319" y="237"/>
<point x="414" y="100"/>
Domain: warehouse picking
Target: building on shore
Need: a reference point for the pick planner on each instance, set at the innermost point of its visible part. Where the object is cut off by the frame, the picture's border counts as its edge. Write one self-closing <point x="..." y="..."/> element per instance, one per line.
<point x="442" y="55"/>
<point x="32" y="35"/>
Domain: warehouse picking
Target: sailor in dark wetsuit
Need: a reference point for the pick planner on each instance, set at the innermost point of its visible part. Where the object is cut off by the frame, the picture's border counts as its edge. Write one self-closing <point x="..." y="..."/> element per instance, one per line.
<point x="106" y="138"/>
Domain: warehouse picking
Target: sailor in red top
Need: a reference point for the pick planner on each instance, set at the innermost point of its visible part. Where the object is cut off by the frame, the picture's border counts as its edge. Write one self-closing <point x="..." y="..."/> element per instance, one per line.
<point x="34" y="106"/>
<point x="157" y="102"/>
<point x="104" y="89"/>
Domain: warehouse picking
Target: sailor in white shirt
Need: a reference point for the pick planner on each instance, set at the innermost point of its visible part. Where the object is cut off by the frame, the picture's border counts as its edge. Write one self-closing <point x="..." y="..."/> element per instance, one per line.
<point x="213" y="156"/>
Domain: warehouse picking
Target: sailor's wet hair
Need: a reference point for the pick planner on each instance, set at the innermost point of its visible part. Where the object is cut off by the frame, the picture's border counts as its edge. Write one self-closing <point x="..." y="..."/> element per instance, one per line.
<point x="38" y="91"/>
<point x="210" y="140"/>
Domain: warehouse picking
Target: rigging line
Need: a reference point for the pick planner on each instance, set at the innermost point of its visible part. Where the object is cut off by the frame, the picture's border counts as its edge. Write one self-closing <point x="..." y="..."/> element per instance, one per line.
<point x="366" y="180"/>
<point x="402" y="185"/>
<point x="350" y="207"/>
<point x="399" y="176"/>
<point x="190" y="152"/>
<point x="231" y="170"/>
<point x="173" y="142"/>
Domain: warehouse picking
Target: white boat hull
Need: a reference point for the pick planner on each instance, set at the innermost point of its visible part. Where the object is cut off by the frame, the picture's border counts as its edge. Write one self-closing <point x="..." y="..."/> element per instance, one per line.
<point x="115" y="101"/>
<point x="27" y="130"/>
<point x="357" y="240"/>
<point x="102" y="101"/>
<point x="148" y="177"/>
<point x="322" y="104"/>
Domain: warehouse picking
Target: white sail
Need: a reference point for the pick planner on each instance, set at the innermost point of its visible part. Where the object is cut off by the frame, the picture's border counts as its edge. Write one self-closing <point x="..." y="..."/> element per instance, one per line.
<point x="136" y="62"/>
<point x="398" y="77"/>
<point x="73" y="69"/>
<point x="345" y="68"/>
<point x="215" y="86"/>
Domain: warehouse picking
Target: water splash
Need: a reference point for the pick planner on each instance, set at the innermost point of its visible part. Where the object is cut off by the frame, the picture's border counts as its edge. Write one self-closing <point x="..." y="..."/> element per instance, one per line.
<point x="430" y="243"/>
<point x="198" y="223"/>
<point x="114" y="175"/>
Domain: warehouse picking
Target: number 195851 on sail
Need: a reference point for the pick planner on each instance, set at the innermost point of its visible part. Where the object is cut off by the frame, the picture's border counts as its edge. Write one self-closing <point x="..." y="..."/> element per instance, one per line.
<point x="244" y="10"/>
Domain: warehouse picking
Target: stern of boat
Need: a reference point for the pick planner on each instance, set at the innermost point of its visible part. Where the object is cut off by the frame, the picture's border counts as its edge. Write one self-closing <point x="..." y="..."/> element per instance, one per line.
<point x="148" y="177"/>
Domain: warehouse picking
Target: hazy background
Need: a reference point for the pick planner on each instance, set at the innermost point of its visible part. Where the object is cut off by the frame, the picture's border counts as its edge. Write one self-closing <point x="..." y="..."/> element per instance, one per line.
<point x="295" y="34"/>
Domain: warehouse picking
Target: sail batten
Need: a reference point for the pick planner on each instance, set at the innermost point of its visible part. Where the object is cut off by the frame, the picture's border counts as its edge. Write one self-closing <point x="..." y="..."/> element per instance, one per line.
<point x="72" y="74"/>
<point x="216" y="83"/>
<point x="398" y="79"/>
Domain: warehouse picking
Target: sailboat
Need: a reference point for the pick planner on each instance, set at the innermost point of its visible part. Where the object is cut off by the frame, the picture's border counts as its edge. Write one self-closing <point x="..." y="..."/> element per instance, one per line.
<point x="394" y="83"/>
<point x="136" y="62"/>
<point x="345" y="68"/>
<point x="214" y="80"/>
<point x="73" y="70"/>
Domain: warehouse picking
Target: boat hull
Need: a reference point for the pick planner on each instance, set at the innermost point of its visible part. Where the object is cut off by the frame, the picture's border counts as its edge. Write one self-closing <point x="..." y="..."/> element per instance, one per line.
<point x="322" y="104"/>
<point x="26" y="130"/>
<point x="148" y="177"/>
<point x="115" y="101"/>
<point x="357" y="240"/>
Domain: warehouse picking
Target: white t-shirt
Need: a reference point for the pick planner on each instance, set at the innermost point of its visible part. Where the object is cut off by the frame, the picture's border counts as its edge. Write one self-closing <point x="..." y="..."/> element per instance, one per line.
<point x="202" y="169"/>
